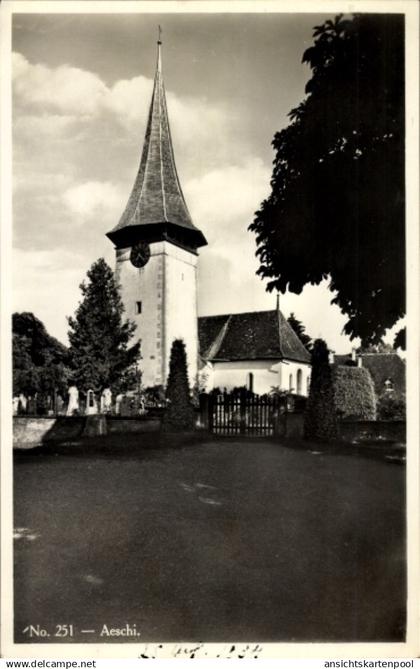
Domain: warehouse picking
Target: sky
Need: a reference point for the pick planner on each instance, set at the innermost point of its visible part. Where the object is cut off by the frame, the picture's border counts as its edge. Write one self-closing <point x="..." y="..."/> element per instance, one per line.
<point x="81" y="91"/>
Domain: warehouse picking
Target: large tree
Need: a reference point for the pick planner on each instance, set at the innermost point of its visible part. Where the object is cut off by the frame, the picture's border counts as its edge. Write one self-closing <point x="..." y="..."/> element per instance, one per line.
<point x="39" y="360"/>
<point x="336" y="209"/>
<point x="100" y="356"/>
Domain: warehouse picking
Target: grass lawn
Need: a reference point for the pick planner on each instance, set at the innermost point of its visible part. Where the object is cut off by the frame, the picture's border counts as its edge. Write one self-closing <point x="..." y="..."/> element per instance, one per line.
<point x="213" y="541"/>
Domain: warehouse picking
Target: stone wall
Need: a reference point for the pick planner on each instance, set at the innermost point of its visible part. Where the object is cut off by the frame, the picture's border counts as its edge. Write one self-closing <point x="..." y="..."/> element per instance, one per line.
<point x="30" y="432"/>
<point x="373" y="430"/>
<point x="121" y="425"/>
<point x="355" y="431"/>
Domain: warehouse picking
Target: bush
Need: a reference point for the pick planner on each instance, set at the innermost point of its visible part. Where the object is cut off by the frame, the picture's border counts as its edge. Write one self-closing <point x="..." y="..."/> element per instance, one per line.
<point x="320" y="421"/>
<point x="154" y="396"/>
<point x="392" y="406"/>
<point x="179" y="414"/>
<point x="354" y="393"/>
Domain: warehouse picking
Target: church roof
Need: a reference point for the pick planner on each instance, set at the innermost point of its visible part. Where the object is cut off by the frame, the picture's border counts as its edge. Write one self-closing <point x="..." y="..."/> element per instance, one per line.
<point x="250" y="336"/>
<point x="156" y="198"/>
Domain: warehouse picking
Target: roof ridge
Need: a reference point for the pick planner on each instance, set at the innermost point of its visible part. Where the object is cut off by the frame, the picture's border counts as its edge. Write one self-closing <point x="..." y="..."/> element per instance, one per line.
<point x="162" y="178"/>
<point x="283" y="322"/>
<point x="216" y="345"/>
<point x="239" y="313"/>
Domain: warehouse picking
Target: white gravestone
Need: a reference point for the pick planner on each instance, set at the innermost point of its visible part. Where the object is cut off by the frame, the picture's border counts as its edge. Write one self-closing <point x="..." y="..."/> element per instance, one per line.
<point x="118" y="401"/>
<point x="73" y="404"/>
<point x="91" y="404"/>
<point x="106" y="401"/>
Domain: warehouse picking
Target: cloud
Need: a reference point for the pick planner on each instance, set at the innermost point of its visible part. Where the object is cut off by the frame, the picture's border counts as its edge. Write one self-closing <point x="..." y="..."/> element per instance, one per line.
<point x="129" y="100"/>
<point x="47" y="283"/>
<point x="68" y="104"/>
<point x="222" y="204"/>
<point x="225" y="199"/>
<point x="66" y="89"/>
<point x="92" y="198"/>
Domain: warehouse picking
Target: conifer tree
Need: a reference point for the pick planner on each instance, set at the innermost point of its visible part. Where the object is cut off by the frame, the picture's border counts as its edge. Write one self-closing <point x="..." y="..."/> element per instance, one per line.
<point x="179" y="414"/>
<point x="99" y="355"/>
<point x="299" y="329"/>
<point x="320" y="421"/>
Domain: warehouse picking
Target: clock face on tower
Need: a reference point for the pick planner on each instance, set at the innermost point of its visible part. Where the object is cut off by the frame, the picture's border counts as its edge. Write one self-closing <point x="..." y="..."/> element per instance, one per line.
<point x="140" y="254"/>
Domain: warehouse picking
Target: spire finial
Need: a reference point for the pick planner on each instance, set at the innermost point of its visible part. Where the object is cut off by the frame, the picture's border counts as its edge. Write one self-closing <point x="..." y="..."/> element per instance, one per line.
<point x="159" y="56"/>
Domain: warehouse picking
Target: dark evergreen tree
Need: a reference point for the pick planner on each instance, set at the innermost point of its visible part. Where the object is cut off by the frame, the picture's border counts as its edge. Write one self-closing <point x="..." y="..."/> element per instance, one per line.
<point x="25" y="372"/>
<point x="99" y="354"/>
<point x="179" y="414"/>
<point x="39" y="360"/>
<point x="43" y="349"/>
<point x="337" y="206"/>
<point x="299" y="329"/>
<point x="320" y="421"/>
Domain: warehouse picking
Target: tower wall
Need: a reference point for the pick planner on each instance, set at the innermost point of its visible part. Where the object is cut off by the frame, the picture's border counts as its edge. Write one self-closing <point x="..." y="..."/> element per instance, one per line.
<point x="180" y="305"/>
<point x="166" y="287"/>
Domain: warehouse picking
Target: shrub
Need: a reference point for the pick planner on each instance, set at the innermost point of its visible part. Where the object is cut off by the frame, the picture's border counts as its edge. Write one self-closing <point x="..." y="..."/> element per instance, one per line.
<point x="320" y="421"/>
<point x="392" y="406"/>
<point x="154" y="396"/>
<point x="179" y="414"/>
<point x="354" y="393"/>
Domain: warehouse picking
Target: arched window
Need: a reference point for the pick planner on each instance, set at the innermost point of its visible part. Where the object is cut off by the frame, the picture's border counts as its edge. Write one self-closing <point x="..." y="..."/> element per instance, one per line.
<point x="299" y="382"/>
<point x="290" y="382"/>
<point x="251" y="382"/>
<point x="308" y="384"/>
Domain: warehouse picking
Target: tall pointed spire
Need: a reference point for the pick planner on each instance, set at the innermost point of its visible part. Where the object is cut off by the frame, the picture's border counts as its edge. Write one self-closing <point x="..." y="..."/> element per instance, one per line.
<point x="156" y="198"/>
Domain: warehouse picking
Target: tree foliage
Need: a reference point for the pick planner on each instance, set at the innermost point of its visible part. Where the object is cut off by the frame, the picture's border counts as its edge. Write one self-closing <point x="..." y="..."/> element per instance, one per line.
<point x="354" y="393"/>
<point x="400" y="339"/>
<point x="99" y="354"/>
<point x="39" y="360"/>
<point x="320" y="421"/>
<point x="380" y="347"/>
<point x="392" y="406"/>
<point x="179" y="414"/>
<point x="299" y="329"/>
<point x="336" y="209"/>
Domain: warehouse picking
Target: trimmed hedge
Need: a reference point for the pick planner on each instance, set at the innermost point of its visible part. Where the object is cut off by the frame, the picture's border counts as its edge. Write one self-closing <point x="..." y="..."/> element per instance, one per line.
<point x="179" y="415"/>
<point x="354" y="393"/>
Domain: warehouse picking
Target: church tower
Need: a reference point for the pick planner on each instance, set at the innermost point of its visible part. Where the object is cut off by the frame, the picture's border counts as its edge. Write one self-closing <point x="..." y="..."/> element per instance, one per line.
<point x="156" y="246"/>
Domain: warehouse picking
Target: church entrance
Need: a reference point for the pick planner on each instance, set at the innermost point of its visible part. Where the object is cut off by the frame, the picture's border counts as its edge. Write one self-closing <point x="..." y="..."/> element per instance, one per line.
<point x="244" y="414"/>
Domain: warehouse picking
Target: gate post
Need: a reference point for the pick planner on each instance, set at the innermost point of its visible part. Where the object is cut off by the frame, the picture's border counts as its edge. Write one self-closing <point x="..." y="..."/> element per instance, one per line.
<point x="280" y="416"/>
<point x="205" y="411"/>
<point x="242" y="412"/>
